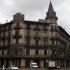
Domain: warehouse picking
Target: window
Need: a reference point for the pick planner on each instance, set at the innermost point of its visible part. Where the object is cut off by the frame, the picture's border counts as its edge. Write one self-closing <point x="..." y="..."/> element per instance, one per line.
<point x="27" y="52"/>
<point x="5" y="52"/>
<point x="53" y="42"/>
<point x="36" y="33"/>
<point x="41" y="52"/>
<point x="14" y="51"/>
<point x="44" y="28"/>
<point x="9" y="27"/>
<point x="2" y="52"/>
<point x="56" y="27"/>
<point x="37" y="36"/>
<point x="32" y="51"/>
<point x="36" y="42"/>
<point x="27" y="41"/>
<point x="8" y="52"/>
<point x="16" y="33"/>
<point x="36" y="27"/>
<point x="27" y="63"/>
<point x="20" y="51"/>
<point x="28" y="26"/>
<point x="52" y="27"/>
<point x="17" y="36"/>
<point x="28" y="32"/>
<point x="17" y="41"/>
<point x="36" y="52"/>
<point x="45" y="42"/>
<point x="45" y="52"/>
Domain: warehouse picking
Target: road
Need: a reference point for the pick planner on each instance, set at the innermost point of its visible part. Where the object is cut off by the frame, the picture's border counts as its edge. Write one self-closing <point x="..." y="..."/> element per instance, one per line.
<point x="42" y="69"/>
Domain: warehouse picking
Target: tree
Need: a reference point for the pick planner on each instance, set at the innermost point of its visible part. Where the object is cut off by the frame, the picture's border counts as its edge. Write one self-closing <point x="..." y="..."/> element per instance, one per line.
<point x="67" y="53"/>
<point x="56" y="50"/>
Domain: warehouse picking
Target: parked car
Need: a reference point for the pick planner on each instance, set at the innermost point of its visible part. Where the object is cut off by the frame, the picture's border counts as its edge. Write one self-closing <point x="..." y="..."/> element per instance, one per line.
<point x="13" y="67"/>
<point x="33" y="65"/>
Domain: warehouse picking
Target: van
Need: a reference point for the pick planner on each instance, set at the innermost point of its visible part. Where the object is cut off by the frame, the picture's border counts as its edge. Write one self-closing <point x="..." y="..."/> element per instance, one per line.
<point x="33" y="65"/>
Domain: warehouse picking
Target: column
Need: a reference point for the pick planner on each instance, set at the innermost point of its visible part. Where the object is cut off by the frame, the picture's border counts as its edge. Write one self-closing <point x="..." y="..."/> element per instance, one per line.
<point x="41" y="63"/>
<point x="22" y="63"/>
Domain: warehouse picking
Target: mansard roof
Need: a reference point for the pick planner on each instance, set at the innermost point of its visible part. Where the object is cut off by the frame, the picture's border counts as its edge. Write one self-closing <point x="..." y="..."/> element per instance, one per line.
<point x="6" y="24"/>
<point x="36" y="22"/>
<point x="63" y="30"/>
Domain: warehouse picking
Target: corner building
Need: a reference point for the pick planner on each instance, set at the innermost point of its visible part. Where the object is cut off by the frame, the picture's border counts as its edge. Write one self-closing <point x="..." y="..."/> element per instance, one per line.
<point x="23" y="42"/>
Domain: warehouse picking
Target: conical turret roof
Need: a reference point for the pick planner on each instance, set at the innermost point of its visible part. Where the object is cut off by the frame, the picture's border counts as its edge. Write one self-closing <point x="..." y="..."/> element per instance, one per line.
<point x="51" y="13"/>
<point x="50" y="9"/>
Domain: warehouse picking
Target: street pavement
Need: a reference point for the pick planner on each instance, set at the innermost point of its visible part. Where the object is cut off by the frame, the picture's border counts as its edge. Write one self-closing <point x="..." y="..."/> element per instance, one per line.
<point x="41" y="69"/>
<point x="64" y="69"/>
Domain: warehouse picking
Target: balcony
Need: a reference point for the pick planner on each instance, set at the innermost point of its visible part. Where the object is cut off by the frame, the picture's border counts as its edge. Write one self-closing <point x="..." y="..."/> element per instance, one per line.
<point x="10" y="56"/>
<point x="27" y="36"/>
<point x="36" y="46"/>
<point x="45" y="37"/>
<point x="54" y="29"/>
<point x="8" y="29"/>
<point x="37" y="37"/>
<point x="17" y="36"/>
<point x="3" y="37"/>
<point x="3" y="30"/>
<point x="4" y="47"/>
<point x="37" y="29"/>
<point x="8" y="37"/>
<point x="17" y="27"/>
<point x="45" y="30"/>
<point x="28" y="27"/>
<point x="35" y="56"/>
<point x="53" y="37"/>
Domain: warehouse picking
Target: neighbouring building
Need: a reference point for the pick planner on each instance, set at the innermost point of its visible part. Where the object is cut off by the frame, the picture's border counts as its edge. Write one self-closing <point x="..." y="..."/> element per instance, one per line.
<point x="23" y="42"/>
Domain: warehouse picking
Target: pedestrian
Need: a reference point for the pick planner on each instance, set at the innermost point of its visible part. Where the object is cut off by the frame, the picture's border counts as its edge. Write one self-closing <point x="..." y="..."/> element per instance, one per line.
<point x="3" y="67"/>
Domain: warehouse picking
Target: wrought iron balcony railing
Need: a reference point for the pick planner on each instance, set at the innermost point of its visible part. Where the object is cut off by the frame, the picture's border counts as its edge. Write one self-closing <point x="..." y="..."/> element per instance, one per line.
<point x="3" y="37"/>
<point x="37" y="37"/>
<point x="45" y="37"/>
<point x="8" y="37"/>
<point x="37" y="29"/>
<point x="17" y="36"/>
<point x="17" y="27"/>
<point x="36" y="46"/>
<point x="45" y="29"/>
<point x="27" y="36"/>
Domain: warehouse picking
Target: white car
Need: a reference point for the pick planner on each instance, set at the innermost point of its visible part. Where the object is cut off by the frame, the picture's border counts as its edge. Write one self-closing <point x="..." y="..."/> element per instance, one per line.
<point x="33" y="65"/>
<point x="12" y="67"/>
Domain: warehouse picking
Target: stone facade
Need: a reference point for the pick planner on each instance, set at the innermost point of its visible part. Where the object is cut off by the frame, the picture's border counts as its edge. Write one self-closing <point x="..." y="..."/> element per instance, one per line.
<point x="23" y="42"/>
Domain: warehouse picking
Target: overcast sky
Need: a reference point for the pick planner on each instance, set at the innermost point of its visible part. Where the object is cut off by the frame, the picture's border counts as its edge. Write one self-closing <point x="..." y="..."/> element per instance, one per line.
<point x="35" y="10"/>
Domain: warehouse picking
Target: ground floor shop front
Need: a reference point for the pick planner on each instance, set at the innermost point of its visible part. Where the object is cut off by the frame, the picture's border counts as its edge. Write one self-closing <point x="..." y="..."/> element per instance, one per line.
<point x="25" y="62"/>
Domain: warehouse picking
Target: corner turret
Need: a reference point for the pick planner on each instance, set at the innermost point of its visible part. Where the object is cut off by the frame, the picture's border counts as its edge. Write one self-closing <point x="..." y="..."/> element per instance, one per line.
<point x="51" y="14"/>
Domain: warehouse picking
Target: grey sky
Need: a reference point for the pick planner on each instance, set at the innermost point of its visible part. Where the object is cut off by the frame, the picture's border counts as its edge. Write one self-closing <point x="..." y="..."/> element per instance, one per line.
<point x="36" y="9"/>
